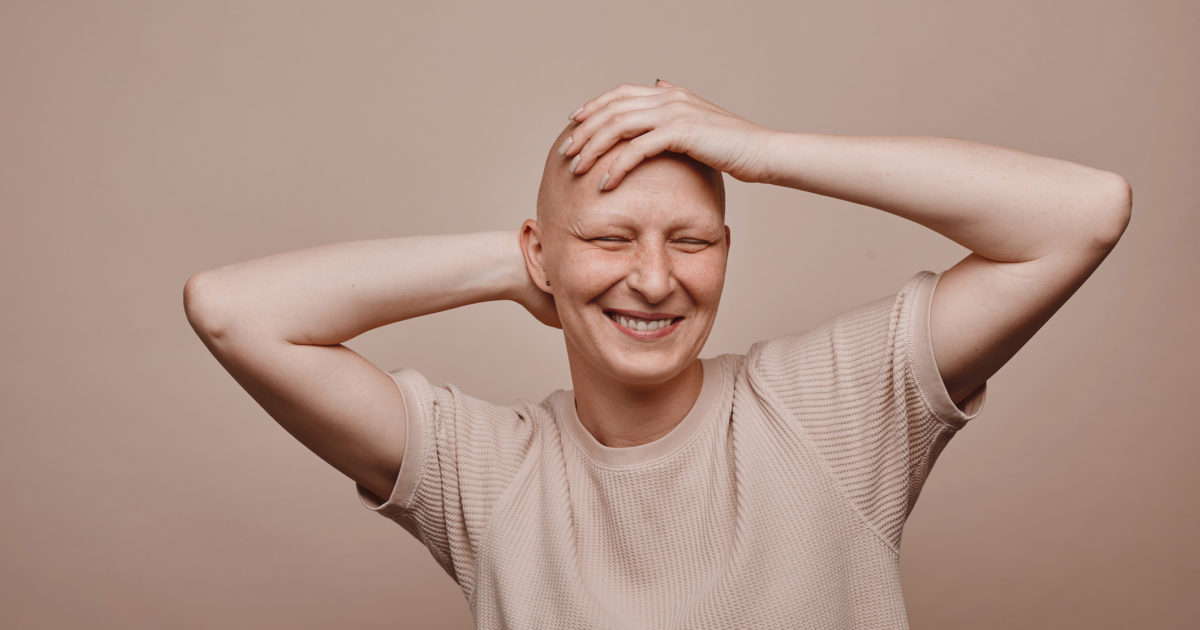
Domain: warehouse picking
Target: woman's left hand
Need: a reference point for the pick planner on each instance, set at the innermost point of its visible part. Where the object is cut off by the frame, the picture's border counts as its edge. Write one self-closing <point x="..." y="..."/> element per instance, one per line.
<point x="665" y="117"/>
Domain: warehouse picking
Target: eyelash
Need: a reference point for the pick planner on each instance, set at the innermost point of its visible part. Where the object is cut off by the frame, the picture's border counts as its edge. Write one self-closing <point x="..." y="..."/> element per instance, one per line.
<point x="689" y="241"/>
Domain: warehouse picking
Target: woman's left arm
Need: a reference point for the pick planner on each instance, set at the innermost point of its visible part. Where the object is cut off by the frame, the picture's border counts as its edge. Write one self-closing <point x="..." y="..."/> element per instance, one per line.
<point x="1037" y="226"/>
<point x="1004" y="205"/>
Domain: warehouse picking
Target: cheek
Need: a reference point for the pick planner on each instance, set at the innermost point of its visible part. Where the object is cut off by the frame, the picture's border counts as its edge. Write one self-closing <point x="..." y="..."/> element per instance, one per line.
<point x="703" y="276"/>
<point x="588" y="274"/>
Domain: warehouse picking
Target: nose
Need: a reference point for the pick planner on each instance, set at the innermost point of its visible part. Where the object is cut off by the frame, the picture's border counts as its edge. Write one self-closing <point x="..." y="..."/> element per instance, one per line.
<point x="652" y="274"/>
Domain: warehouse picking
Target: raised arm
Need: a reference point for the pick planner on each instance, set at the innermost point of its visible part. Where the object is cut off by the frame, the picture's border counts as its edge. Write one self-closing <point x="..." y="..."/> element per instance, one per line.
<point x="277" y="324"/>
<point x="1037" y="226"/>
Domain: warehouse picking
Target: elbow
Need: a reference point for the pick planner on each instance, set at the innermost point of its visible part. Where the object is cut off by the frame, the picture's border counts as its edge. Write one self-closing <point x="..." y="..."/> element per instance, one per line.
<point x="199" y="305"/>
<point x="1116" y="208"/>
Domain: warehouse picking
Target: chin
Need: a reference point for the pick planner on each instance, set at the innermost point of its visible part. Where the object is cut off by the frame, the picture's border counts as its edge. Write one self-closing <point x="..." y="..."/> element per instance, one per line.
<point x="612" y="357"/>
<point x="648" y="372"/>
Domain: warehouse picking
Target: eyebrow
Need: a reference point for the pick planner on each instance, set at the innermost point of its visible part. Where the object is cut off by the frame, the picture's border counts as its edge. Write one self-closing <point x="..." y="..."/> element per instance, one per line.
<point x="590" y="224"/>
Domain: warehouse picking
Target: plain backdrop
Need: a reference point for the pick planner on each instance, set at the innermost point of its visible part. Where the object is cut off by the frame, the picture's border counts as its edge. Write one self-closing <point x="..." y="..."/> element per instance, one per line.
<point x="142" y="142"/>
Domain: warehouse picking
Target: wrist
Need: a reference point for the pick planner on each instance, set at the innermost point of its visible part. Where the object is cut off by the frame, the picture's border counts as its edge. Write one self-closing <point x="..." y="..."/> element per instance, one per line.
<point x="776" y="147"/>
<point x="510" y="265"/>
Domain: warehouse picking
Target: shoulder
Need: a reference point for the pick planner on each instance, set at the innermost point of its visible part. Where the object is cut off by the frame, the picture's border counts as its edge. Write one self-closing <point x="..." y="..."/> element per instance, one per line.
<point x="457" y="423"/>
<point x="848" y="349"/>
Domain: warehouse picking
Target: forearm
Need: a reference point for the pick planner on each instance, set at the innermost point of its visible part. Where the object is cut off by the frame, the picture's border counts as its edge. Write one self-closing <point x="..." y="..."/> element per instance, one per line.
<point x="1002" y="204"/>
<point x="332" y="293"/>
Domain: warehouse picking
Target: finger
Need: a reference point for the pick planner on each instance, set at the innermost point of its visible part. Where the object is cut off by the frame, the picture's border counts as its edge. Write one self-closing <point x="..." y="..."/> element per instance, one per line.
<point x="630" y="124"/>
<point x="638" y="149"/>
<point x="603" y="117"/>
<point x="621" y="91"/>
<point x="684" y="93"/>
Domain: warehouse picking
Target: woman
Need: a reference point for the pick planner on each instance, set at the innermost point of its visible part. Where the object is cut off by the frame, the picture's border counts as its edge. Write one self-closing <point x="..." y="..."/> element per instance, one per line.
<point x="665" y="490"/>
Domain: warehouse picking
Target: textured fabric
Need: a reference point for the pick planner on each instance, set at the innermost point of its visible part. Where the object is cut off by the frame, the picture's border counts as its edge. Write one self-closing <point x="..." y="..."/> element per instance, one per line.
<point x="778" y="501"/>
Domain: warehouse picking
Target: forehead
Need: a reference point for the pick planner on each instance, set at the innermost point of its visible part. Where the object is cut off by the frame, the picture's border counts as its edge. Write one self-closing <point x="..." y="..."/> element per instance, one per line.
<point x="665" y="191"/>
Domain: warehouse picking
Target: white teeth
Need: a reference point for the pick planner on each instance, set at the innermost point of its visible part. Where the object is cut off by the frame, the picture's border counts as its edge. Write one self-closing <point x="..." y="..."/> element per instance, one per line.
<point x="641" y="324"/>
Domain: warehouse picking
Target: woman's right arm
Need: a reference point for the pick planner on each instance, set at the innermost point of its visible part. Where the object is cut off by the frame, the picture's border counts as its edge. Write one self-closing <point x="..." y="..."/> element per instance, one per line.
<point x="276" y="324"/>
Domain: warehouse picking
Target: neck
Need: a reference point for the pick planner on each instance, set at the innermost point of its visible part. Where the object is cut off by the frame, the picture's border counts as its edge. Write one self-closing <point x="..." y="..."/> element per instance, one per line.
<point x="620" y="415"/>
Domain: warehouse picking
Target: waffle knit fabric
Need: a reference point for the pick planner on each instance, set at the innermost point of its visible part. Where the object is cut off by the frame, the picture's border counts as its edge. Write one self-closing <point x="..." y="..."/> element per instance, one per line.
<point x="777" y="502"/>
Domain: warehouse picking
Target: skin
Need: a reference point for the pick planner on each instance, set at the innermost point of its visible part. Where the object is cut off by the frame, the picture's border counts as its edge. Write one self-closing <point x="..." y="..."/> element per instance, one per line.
<point x="1037" y="227"/>
<point x="658" y="244"/>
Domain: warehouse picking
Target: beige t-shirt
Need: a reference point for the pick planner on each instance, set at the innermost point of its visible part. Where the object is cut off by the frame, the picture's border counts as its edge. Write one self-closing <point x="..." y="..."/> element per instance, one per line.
<point x="778" y="501"/>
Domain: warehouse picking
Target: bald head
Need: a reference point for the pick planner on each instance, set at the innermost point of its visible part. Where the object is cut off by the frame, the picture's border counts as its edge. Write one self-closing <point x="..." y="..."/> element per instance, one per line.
<point x="562" y="193"/>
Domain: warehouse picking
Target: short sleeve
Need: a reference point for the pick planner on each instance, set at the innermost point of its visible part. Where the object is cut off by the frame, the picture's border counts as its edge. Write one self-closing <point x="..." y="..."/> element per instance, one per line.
<point x="460" y="454"/>
<point x="418" y="410"/>
<point x="865" y="391"/>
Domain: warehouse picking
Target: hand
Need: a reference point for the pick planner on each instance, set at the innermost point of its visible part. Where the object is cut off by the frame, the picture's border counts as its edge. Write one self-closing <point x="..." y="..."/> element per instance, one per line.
<point x="666" y="117"/>
<point x="539" y="303"/>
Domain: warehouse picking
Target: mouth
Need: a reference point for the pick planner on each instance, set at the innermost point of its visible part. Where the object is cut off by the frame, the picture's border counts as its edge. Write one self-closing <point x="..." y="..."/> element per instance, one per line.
<point x="644" y="325"/>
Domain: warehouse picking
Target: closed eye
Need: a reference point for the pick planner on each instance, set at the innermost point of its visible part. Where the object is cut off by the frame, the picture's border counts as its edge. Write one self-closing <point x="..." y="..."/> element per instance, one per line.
<point x="693" y="244"/>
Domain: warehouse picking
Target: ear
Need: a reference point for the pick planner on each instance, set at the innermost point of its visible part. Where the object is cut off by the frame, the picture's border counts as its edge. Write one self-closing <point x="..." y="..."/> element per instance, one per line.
<point x="727" y="241"/>
<point x="531" y="247"/>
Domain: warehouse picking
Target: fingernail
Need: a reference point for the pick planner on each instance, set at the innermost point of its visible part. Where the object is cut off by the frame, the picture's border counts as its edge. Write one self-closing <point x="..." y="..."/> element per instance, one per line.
<point x="603" y="181"/>
<point x="562" y="150"/>
<point x="574" y="163"/>
<point x="574" y="114"/>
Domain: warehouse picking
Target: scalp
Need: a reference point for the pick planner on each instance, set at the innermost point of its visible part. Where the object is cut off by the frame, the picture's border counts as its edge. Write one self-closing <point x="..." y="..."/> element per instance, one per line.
<point x="562" y="192"/>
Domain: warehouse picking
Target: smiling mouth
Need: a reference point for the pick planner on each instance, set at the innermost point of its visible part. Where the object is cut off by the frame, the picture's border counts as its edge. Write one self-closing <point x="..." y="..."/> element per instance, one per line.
<point x="639" y="324"/>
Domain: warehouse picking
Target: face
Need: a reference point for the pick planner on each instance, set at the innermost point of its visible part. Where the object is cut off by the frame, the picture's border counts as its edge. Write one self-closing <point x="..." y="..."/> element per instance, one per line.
<point x="636" y="272"/>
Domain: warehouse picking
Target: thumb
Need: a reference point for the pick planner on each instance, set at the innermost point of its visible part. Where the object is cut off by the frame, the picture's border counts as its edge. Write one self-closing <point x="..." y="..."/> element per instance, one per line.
<point x="663" y="83"/>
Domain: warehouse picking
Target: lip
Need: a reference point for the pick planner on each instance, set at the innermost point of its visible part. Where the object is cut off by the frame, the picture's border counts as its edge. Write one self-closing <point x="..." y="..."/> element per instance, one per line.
<point x="642" y="314"/>
<point x="645" y="335"/>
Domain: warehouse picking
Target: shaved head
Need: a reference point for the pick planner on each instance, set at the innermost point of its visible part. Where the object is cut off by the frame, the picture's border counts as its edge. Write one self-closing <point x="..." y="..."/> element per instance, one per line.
<point x="657" y="242"/>
<point x="562" y="193"/>
<point x="654" y="247"/>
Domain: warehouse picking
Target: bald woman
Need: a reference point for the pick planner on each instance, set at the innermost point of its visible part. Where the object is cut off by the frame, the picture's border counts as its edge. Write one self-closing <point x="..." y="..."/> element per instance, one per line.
<point x="666" y="490"/>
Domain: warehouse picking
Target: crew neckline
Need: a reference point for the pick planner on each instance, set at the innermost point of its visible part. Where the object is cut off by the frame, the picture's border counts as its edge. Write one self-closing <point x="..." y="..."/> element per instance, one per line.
<point x="624" y="456"/>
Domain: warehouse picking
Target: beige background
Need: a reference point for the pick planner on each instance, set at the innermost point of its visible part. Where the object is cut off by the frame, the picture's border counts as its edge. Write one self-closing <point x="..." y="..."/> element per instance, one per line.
<point x="145" y="141"/>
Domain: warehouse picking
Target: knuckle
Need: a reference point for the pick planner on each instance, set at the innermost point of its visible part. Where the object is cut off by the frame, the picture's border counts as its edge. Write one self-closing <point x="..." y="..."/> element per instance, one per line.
<point x="634" y="153"/>
<point x="584" y="132"/>
<point x="639" y="146"/>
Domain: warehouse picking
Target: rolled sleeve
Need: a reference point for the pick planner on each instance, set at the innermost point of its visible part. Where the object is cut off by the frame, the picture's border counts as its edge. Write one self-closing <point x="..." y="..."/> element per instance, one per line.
<point x="924" y="365"/>
<point x="418" y="410"/>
